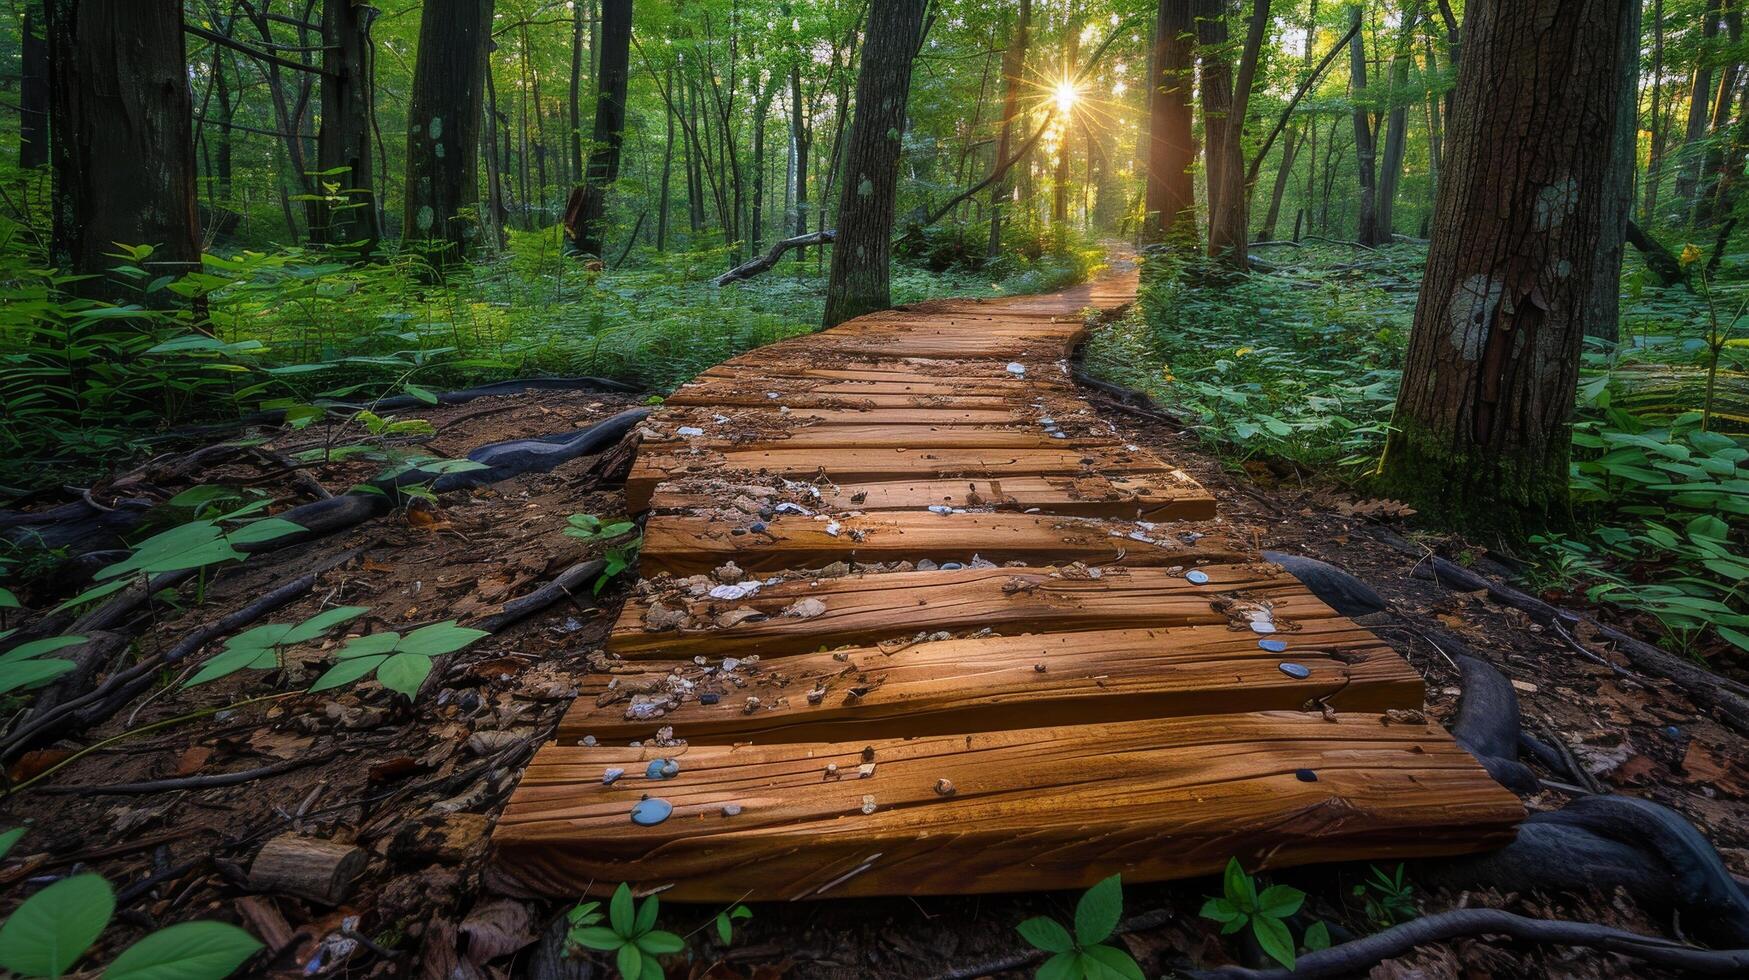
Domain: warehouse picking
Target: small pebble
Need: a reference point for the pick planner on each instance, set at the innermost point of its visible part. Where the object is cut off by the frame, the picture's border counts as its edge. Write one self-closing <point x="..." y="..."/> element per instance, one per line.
<point x="1298" y="672"/>
<point x="1039" y="668"/>
<point x="951" y="566"/>
<point x="589" y="740"/>
<point x="662" y="769"/>
<point x="1673" y="731"/>
<point x="868" y="805"/>
<point x="1305" y="775"/>
<point x="1259" y="626"/>
<point x="865" y="770"/>
<point x="611" y="776"/>
<point x="1273" y="646"/>
<point x="1197" y="576"/>
<point x="709" y="698"/>
<point x="831" y="768"/>
<point x="731" y="809"/>
<point x="944" y="787"/>
<point x="649" y="812"/>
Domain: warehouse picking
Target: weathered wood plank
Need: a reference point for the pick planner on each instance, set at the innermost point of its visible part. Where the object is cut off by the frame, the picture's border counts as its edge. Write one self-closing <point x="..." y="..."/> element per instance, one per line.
<point x="1042" y="808"/>
<point x="991" y="683"/>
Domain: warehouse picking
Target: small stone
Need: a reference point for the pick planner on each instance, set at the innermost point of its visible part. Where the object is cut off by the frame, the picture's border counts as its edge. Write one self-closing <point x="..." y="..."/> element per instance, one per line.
<point x="730" y="663"/>
<point x="731" y="809"/>
<point x="1305" y="775"/>
<point x="611" y="776"/>
<point x="944" y="787"/>
<point x="868" y="753"/>
<point x="940" y="509"/>
<point x="662" y="769"/>
<point x="1039" y="668"/>
<point x="689" y="430"/>
<point x="868" y="805"/>
<point x="865" y="770"/>
<point x="650" y="812"/>
<point x="757" y="527"/>
<point x="1298" y="672"/>
<point x="1016" y="368"/>
<point x="831" y="768"/>
<point x="833" y="528"/>
<point x="1197" y="576"/>
<point x="751" y="706"/>
<point x="1262" y="626"/>
<point x="1273" y="646"/>
<point x="589" y="740"/>
<point x="951" y="566"/>
<point x="709" y="698"/>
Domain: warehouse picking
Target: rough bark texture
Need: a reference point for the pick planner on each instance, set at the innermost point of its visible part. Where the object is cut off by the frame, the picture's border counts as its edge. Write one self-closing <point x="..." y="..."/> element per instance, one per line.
<point x="1229" y="220"/>
<point x="586" y="217"/>
<point x="1013" y="64"/>
<point x="343" y="144"/>
<point x="443" y="127"/>
<point x="1171" y="200"/>
<point x="122" y="137"/>
<point x="859" y="281"/>
<point x="1216" y="78"/>
<point x="1481" y="434"/>
<point x="33" y="93"/>
<point x="1396" y="126"/>
<point x="1366" y="229"/>
<point x="1602" y="319"/>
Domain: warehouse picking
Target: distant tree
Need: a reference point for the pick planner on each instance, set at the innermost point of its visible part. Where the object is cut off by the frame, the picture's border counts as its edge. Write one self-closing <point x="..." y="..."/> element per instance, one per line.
<point x="122" y="138"/>
<point x="443" y="127"/>
<point x="1013" y="70"/>
<point x="1229" y="211"/>
<point x="343" y="144"/>
<point x="1480" y="437"/>
<point x="33" y="91"/>
<point x="586" y="212"/>
<point x="1365" y="144"/>
<point x="868" y="190"/>
<point x="1171" y="190"/>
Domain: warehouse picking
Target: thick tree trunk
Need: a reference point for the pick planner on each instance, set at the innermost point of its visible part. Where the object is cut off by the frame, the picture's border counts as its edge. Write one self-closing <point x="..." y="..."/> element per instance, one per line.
<point x="1365" y="150"/>
<point x="33" y="93"/>
<point x="1699" y="109"/>
<point x="859" y="281"/>
<point x="586" y="215"/>
<point x="1216" y="82"/>
<point x="443" y="122"/>
<point x="1171" y="191"/>
<point x="1229" y="224"/>
<point x="1480" y="437"/>
<point x="122" y="137"/>
<point x="343" y="154"/>
<point x="1013" y="68"/>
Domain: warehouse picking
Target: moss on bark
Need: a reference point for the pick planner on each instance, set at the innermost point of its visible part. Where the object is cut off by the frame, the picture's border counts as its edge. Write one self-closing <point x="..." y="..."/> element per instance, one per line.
<point x="1512" y="495"/>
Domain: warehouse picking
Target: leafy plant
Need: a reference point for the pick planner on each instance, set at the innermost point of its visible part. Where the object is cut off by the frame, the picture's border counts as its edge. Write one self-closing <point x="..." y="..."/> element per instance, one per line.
<point x="1389" y="897"/>
<point x="261" y="648"/>
<point x="53" y="928"/>
<point x="24" y="666"/>
<point x="401" y="663"/>
<point x="1083" y="953"/>
<point x="619" y="554"/>
<point x="1241" y="905"/>
<point x="630" y="935"/>
<point x="725" y="922"/>
<point x="194" y="545"/>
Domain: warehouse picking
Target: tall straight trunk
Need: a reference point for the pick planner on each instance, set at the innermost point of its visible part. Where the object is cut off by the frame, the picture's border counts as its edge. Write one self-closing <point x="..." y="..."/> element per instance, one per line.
<point x="1013" y="66"/>
<point x="1480" y="438"/>
<point x="799" y="146"/>
<point x="348" y="217"/>
<point x="1065" y="120"/>
<point x="122" y="140"/>
<point x="859" y="280"/>
<point x="1699" y="109"/>
<point x="586" y="215"/>
<point x="1291" y="139"/>
<point x="1435" y="124"/>
<point x="1655" y="159"/>
<point x="667" y="172"/>
<point x="1396" y="123"/>
<point x="1229" y="225"/>
<point x="1215" y="75"/>
<point x="578" y="31"/>
<point x="540" y="132"/>
<point x="496" y="213"/>
<point x="1367" y="230"/>
<point x="222" y="155"/>
<point x="443" y="120"/>
<point x="694" y="180"/>
<point x="1602" y="318"/>
<point x="289" y="117"/>
<point x="33" y="92"/>
<point x="525" y="190"/>
<point x="1713" y="160"/>
<point x="760" y="110"/>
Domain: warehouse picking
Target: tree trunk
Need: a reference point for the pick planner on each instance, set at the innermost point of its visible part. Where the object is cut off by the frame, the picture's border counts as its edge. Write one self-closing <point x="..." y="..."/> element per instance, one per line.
<point x="1396" y="125"/>
<point x="122" y="139"/>
<point x="859" y="282"/>
<point x="1480" y="437"/>
<point x="1699" y="109"/>
<point x="1290" y="144"/>
<point x="586" y="214"/>
<point x="1216" y="77"/>
<point x="799" y="147"/>
<point x="347" y="216"/>
<point x="222" y="162"/>
<point x="1435" y="125"/>
<point x="443" y="120"/>
<point x="1365" y="152"/>
<point x="1229" y="225"/>
<point x="33" y="93"/>
<point x="1171" y="190"/>
<point x="577" y="33"/>
<point x="1065" y="122"/>
<point x="1713" y="161"/>
<point x="761" y="109"/>
<point x="1655" y="126"/>
<point x="667" y="172"/>
<point x="1602" y="318"/>
<point x="1013" y="67"/>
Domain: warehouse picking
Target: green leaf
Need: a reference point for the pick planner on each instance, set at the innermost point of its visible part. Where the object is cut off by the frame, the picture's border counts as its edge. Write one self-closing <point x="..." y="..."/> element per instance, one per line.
<point x="8" y="600"/>
<point x="1063" y="966"/>
<point x="420" y="393"/>
<point x="619" y="910"/>
<point x="660" y="941"/>
<point x="1239" y="887"/>
<point x="1280" y="901"/>
<point x="439" y="638"/>
<point x="1220" y="910"/>
<point x="1317" y="936"/>
<point x="266" y="529"/>
<point x="1115" y="960"/>
<point x="598" y="937"/>
<point x="9" y="838"/>
<point x="1047" y="934"/>
<point x="345" y="672"/>
<point x="403" y="673"/>
<point x="630" y="961"/>
<point x="36" y="648"/>
<point x="1097" y="913"/>
<point x="185" y="951"/>
<point x="371" y="645"/>
<point x="321" y="623"/>
<point x="226" y="664"/>
<point x="1273" y="936"/>
<point x="725" y="931"/>
<point x="95" y="593"/>
<point x="29" y="673"/>
<point x="54" y="927"/>
<point x="646" y="916"/>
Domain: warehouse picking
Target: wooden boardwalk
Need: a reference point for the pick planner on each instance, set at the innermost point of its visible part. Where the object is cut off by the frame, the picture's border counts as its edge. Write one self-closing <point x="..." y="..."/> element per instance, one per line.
<point x="916" y="620"/>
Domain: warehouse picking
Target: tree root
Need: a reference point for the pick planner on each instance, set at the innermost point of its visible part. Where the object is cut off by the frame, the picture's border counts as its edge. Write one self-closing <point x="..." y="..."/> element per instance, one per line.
<point x="1488" y="725"/>
<point x="1359" y="956"/>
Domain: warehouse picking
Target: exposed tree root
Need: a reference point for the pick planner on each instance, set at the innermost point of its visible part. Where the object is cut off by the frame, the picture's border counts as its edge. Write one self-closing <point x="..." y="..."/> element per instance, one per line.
<point x="1488" y="726"/>
<point x="1359" y="956"/>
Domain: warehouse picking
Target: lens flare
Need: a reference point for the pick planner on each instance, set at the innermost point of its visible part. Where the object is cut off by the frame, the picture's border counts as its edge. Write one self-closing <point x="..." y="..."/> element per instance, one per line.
<point x="1065" y="96"/>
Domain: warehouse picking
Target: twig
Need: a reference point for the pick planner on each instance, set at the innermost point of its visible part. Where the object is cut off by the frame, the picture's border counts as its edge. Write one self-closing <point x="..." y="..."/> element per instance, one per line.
<point x="191" y="782"/>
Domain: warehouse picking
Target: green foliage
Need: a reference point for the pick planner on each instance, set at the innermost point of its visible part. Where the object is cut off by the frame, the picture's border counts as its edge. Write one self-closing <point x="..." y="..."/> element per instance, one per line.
<point x="619" y="553"/>
<point x="725" y="922"/>
<point x="24" y="666"/>
<point x="1083" y="952"/>
<point x="400" y="663"/>
<point x="630" y="934"/>
<point x="53" y="928"/>
<point x="1241" y="905"/>
<point x="196" y="544"/>
<point x="260" y="648"/>
<point x="1389" y="898"/>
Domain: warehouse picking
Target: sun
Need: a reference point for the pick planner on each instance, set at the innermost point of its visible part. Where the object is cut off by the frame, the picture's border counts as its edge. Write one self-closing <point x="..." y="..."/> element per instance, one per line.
<point x="1065" y="95"/>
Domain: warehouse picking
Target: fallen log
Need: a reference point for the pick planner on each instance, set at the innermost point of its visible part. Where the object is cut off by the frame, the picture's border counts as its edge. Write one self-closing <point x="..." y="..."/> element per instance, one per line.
<point x="754" y="266"/>
<point x="319" y="870"/>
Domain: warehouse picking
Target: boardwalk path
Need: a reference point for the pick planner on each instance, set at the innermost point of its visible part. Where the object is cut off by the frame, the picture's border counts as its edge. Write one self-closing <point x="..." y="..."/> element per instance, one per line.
<point x="970" y="641"/>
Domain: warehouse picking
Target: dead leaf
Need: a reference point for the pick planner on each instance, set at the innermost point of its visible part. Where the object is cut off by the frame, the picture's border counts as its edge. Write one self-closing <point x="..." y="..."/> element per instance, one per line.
<point x="193" y="759"/>
<point x="496" y="929"/>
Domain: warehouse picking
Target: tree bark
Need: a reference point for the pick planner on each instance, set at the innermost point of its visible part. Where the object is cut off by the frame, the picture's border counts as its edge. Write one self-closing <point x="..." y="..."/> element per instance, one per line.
<point x="1655" y="126"/>
<point x="1602" y="319"/>
<point x="1013" y="68"/>
<point x="1365" y="151"/>
<point x="1699" y="109"/>
<point x="443" y="122"/>
<point x="1396" y="126"/>
<point x="1215" y="75"/>
<point x="347" y="216"/>
<point x="859" y="280"/>
<point x="1171" y="191"/>
<point x="667" y="172"/>
<point x="122" y="139"/>
<point x="1480" y="438"/>
<point x="1229" y="225"/>
<point x="586" y="214"/>
<point x="1065" y="122"/>
<point x="799" y="147"/>
<point x="1712" y="168"/>
<point x="578" y="25"/>
<point x="33" y="93"/>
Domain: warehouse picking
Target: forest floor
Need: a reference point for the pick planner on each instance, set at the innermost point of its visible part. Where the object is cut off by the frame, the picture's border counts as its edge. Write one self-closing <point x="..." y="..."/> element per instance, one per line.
<point x="418" y="786"/>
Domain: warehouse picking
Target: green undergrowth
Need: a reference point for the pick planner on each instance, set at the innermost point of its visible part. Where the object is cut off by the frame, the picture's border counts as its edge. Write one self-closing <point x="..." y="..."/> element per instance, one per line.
<point x="1302" y="364"/>
<point x="84" y="385"/>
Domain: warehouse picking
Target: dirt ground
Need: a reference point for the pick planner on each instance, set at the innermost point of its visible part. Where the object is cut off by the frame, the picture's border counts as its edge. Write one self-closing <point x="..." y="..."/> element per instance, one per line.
<point x="417" y="787"/>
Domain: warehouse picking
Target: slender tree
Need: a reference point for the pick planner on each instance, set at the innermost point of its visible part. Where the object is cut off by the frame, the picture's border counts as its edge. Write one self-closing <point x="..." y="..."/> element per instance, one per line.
<point x="1013" y="67"/>
<point x="1480" y="435"/>
<point x="122" y="139"/>
<point x="1171" y="189"/>
<point x="586" y="214"/>
<point x="1699" y="108"/>
<point x="33" y="92"/>
<point x="859" y="280"/>
<point x="443" y="123"/>
<point x="1215" y="80"/>
<point x="1365" y="148"/>
<point x="343" y="150"/>
<point x="1396" y="123"/>
<point x="1229" y="220"/>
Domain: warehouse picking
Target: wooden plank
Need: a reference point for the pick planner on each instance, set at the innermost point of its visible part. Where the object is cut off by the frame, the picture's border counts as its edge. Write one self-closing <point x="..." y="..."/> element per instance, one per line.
<point x="687" y="545"/>
<point x="992" y="683"/>
<point x="1162" y="497"/>
<point x="857" y="437"/>
<point x="863" y="609"/>
<point x="723" y="397"/>
<point x="885" y="417"/>
<point x="1044" y="808"/>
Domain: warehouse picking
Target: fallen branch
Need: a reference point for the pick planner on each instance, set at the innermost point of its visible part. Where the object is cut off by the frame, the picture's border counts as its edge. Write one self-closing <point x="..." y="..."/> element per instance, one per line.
<point x="755" y="266"/>
<point x="516" y="610"/>
<point x="1359" y="956"/>
<point x="191" y="782"/>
